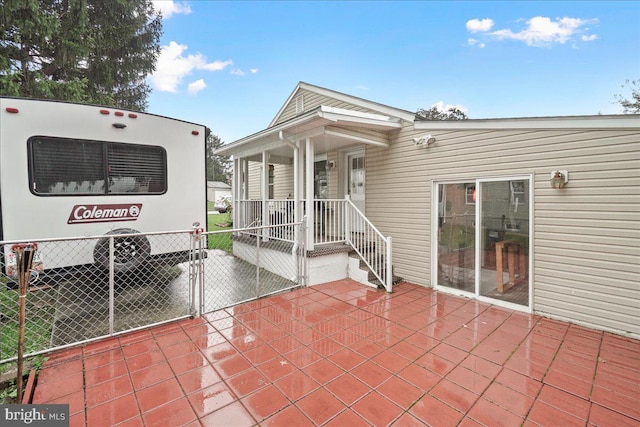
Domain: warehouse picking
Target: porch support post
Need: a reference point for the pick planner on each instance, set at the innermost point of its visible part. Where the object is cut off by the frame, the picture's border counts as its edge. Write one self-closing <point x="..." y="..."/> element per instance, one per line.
<point x="237" y="193"/>
<point x="296" y="188"/>
<point x="246" y="215"/>
<point x="296" y="185"/>
<point x="264" y="194"/>
<point x="300" y="180"/>
<point x="309" y="207"/>
<point x="245" y="179"/>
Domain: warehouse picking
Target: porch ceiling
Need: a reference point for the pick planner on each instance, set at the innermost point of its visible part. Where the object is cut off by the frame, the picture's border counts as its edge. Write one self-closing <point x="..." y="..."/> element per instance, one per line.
<point x="328" y="128"/>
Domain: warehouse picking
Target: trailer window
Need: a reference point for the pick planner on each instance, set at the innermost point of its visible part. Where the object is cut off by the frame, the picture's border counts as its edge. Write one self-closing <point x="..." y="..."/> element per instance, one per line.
<point x="65" y="167"/>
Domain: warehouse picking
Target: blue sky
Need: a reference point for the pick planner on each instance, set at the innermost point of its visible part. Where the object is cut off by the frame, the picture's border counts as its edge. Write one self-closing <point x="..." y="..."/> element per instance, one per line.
<point x="230" y="65"/>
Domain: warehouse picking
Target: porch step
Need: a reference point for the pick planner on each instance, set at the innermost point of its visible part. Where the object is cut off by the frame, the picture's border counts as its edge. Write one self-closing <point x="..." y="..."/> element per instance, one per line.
<point x="360" y="272"/>
<point x="379" y="285"/>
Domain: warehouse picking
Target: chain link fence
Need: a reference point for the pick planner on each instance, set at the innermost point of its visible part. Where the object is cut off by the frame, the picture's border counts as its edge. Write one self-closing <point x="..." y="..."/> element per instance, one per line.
<point x="250" y="263"/>
<point x="87" y="288"/>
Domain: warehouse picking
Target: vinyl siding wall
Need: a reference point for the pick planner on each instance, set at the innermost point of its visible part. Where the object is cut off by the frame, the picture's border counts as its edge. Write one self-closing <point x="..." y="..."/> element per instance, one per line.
<point x="586" y="238"/>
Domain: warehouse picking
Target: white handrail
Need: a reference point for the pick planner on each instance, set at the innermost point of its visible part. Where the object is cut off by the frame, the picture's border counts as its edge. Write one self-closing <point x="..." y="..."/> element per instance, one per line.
<point x="370" y="244"/>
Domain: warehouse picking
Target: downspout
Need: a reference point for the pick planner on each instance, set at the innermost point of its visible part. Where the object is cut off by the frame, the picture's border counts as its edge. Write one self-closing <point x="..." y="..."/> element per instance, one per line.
<point x="310" y="212"/>
<point x="296" y="199"/>
<point x="264" y="194"/>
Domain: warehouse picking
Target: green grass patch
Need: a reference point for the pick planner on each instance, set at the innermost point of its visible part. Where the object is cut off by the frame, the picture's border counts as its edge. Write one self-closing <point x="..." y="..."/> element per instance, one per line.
<point x="221" y="241"/>
<point x="40" y="311"/>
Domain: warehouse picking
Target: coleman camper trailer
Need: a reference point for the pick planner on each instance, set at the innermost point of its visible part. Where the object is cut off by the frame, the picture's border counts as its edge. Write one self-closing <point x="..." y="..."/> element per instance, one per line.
<point x="70" y="170"/>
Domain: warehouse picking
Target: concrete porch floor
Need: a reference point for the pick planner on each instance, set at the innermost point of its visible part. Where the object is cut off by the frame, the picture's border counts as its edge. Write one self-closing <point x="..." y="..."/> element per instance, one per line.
<point x="341" y="354"/>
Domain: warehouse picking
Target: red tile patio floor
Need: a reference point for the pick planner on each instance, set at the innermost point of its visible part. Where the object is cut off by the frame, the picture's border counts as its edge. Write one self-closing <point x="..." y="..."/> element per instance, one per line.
<point x="341" y="354"/>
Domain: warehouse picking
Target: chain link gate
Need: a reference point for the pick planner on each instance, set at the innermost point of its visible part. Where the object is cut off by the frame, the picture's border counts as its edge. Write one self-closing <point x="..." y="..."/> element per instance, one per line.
<point x="140" y="280"/>
<point x="250" y="263"/>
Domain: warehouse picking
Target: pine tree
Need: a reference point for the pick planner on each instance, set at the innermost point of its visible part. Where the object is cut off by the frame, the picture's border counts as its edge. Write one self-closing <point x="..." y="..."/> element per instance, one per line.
<point x="91" y="51"/>
<point x="218" y="167"/>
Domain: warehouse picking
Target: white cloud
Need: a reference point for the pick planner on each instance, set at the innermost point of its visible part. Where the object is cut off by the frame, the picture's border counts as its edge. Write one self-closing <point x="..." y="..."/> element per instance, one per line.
<point x="479" y="25"/>
<point x="239" y="72"/>
<point x="542" y="31"/>
<point x="196" y="86"/>
<point x="474" y="42"/>
<point x="169" y="7"/>
<point x="537" y="31"/>
<point x="173" y="66"/>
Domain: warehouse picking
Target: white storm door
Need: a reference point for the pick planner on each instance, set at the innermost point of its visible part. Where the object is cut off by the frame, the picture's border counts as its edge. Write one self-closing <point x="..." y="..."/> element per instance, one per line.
<point x="356" y="179"/>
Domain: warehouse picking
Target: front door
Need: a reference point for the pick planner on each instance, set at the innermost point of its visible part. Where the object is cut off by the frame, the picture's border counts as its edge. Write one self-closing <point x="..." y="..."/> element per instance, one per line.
<point x="356" y="179"/>
<point x="483" y="239"/>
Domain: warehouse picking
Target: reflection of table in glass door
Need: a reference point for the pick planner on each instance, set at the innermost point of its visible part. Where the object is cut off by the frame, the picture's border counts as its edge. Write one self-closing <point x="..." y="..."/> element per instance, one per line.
<point x="516" y="260"/>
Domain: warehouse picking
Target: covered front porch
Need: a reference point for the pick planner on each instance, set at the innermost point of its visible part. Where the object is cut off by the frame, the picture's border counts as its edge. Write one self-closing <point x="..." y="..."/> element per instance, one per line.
<point x="310" y="170"/>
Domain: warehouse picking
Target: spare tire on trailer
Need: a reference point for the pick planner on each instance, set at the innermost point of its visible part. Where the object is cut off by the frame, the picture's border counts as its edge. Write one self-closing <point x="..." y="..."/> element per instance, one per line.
<point x="130" y="252"/>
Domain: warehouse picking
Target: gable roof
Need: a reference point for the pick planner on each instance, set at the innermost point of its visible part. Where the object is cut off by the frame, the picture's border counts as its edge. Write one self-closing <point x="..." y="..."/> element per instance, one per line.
<point x="316" y="123"/>
<point x="364" y="103"/>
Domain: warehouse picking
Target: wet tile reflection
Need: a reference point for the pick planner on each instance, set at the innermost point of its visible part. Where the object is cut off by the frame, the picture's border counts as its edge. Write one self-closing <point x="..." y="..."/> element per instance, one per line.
<point x="343" y="354"/>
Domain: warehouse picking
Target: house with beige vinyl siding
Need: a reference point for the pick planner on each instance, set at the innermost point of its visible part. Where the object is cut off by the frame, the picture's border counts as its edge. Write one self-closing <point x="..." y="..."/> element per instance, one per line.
<point x="467" y="207"/>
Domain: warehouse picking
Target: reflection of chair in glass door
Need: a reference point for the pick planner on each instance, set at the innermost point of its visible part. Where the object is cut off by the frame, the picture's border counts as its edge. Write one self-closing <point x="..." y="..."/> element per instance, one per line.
<point x="505" y="240"/>
<point x="516" y="264"/>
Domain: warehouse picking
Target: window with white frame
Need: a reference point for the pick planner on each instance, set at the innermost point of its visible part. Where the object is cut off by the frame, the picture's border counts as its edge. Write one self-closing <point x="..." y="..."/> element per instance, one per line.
<point x="272" y="175"/>
<point x="517" y="193"/>
<point x="469" y="194"/>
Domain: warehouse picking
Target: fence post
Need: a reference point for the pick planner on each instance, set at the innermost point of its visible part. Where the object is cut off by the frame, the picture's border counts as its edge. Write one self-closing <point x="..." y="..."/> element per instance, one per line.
<point x="193" y="273"/>
<point x="203" y="242"/>
<point x="111" y="284"/>
<point x="304" y="276"/>
<point x="258" y="238"/>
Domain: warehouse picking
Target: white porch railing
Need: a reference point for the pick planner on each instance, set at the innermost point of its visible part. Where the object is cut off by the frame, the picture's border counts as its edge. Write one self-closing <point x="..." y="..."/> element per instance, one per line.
<point x="336" y="221"/>
<point x="329" y="217"/>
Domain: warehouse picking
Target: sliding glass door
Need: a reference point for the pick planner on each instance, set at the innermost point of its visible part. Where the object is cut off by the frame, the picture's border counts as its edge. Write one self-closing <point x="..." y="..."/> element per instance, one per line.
<point x="483" y="238"/>
<point x="457" y="236"/>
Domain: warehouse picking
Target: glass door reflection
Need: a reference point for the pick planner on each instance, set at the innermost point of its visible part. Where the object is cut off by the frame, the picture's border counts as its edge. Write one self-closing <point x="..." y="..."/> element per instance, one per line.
<point x="456" y="235"/>
<point x="504" y="234"/>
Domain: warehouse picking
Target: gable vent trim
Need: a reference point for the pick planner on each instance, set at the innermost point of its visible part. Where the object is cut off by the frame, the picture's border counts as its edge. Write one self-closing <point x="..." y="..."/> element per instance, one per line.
<point x="299" y="104"/>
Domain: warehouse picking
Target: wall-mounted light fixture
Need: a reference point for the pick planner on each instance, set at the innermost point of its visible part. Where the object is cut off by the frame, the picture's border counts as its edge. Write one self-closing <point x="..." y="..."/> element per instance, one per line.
<point x="424" y="140"/>
<point x="559" y="178"/>
<point x="330" y="164"/>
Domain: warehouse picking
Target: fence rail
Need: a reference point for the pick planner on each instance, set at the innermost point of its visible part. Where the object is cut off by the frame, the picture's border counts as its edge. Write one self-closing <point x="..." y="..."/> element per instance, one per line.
<point x="87" y="288"/>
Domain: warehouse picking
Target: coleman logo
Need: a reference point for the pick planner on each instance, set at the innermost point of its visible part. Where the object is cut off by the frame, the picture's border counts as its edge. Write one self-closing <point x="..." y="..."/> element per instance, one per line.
<point x="104" y="213"/>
